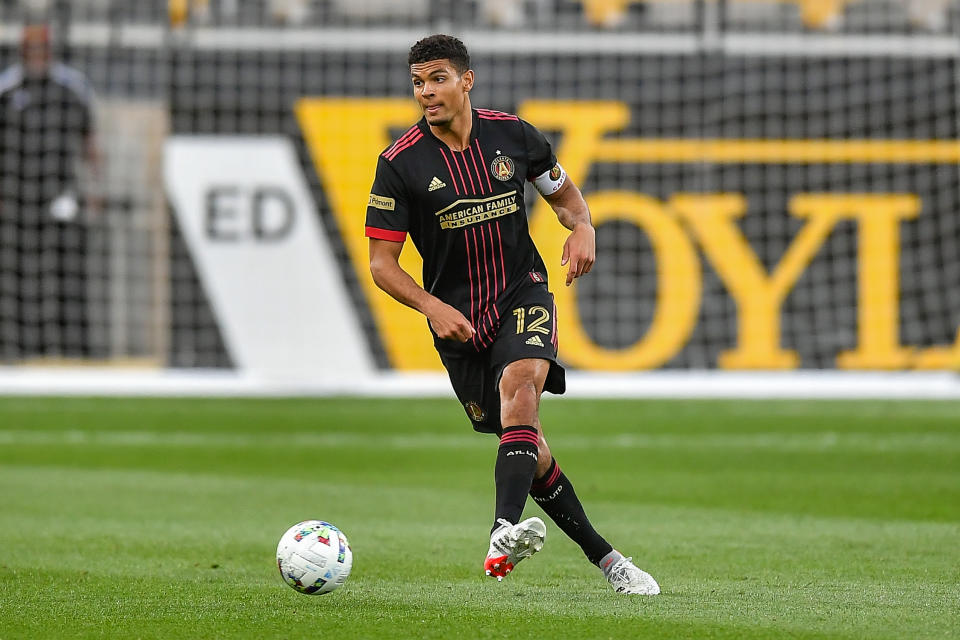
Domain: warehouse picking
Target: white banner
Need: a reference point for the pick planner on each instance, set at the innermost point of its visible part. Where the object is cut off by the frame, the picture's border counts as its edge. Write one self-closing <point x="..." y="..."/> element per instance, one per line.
<point x="267" y="267"/>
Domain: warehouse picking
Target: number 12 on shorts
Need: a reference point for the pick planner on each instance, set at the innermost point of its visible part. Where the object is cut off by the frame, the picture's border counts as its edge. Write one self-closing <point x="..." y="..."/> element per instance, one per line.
<point x="532" y="320"/>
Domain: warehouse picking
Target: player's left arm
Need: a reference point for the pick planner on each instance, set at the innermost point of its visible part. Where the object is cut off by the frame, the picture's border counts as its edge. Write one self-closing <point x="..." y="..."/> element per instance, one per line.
<point x="556" y="187"/>
<point x="580" y="249"/>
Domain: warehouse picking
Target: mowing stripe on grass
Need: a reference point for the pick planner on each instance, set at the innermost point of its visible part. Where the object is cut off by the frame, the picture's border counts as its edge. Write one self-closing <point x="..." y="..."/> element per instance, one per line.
<point x="771" y="441"/>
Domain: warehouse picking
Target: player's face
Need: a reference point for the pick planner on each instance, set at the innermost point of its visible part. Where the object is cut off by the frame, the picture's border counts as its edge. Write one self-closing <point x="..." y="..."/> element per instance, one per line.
<point x="440" y="90"/>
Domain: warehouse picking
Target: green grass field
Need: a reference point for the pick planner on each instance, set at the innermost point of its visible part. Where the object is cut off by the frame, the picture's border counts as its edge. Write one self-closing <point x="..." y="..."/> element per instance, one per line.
<point x="160" y="518"/>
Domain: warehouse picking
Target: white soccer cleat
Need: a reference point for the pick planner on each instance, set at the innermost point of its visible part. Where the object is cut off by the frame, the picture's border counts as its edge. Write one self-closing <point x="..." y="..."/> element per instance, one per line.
<point x="626" y="577"/>
<point x="511" y="543"/>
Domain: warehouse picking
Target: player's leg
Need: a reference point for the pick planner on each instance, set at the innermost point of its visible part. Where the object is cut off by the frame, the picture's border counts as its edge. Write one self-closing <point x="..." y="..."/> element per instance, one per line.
<point x="520" y="387"/>
<point x="511" y="540"/>
<point x="553" y="491"/>
<point x="475" y="384"/>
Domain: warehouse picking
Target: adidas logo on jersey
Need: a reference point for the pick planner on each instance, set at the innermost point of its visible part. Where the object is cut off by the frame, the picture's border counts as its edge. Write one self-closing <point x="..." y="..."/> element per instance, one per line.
<point x="535" y="340"/>
<point x="435" y="184"/>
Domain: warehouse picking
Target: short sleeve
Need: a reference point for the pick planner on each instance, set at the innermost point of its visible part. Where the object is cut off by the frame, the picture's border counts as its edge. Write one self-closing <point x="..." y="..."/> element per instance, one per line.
<point x="388" y="214"/>
<point x="540" y="157"/>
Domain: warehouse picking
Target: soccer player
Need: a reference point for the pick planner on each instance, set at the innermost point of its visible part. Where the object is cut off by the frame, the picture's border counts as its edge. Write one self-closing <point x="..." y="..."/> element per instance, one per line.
<point x="454" y="182"/>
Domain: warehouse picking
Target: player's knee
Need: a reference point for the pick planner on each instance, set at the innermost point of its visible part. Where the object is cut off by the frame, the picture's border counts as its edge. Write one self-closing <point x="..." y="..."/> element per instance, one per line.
<point x="519" y="395"/>
<point x="519" y="379"/>
<point x="514" y="385"/>
<point x="520" y="392"/>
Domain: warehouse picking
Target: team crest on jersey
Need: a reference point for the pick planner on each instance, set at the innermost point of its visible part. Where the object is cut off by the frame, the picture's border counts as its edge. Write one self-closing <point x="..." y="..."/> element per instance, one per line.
<point x="502" y="168"/>
<point x="476" y="413"/>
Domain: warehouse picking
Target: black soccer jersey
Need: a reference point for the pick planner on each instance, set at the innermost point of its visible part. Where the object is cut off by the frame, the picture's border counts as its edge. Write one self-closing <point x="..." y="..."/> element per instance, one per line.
<point x="464" y="211"/>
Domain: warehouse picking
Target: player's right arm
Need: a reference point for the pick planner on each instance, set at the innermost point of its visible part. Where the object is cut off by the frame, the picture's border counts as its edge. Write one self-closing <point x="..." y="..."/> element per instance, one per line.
<point x="388" y="218"/>
<point x="447" y="322"/>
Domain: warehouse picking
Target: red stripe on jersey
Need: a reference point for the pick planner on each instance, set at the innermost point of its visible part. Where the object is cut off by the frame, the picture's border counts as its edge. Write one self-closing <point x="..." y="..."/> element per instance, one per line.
<point x="406" y="145"/>
<point x="456" y="163"/>
<point x="484" y="342"/>
<point x="486" y="272"/>
<point x="474" y="163"/>
<point x="493" y="323"/>
<point x="493" y="263"/>
<point x="483" y="163"/>
<point x="491" y="330"/>
<point x="473" y="159"/>
<point x="490" y="114"/>
<point x="488" y="327"/>
<point x="386" y="234"/>
<point x="460" y="173"/>
<point x="503" y="269"/>
<point x="466" y="166"/>
<point x="452" y="177"/>
<point x="473" y="319"/>
<point x="476" y="252"/>
<point x="401" y="139"/>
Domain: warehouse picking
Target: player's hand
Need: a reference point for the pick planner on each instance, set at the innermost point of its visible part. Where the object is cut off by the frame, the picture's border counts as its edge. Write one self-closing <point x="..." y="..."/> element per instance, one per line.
<point x="580" y="250"/>
<point x="450" y="324"/>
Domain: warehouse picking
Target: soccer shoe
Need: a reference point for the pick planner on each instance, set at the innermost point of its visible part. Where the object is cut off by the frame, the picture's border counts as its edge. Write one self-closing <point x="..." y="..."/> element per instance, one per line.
<point x="626" y="577"/>
<point x="511" y="543"/>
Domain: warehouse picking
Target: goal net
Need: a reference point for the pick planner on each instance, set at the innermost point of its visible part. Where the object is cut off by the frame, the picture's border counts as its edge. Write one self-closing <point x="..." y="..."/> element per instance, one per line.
<point x="775" y="183"/>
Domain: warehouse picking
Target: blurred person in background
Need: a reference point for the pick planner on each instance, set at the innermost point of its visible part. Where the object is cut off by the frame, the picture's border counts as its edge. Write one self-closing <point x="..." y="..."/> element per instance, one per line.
<point x="46" y="131"/>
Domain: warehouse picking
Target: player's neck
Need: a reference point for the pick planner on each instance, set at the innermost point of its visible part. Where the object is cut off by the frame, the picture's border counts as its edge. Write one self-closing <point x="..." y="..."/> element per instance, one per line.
<point x="456" y="133"/>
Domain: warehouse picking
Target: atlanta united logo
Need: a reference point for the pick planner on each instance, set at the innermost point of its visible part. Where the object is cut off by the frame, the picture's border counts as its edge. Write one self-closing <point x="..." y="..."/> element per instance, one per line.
<point x="474" y="411"/>
<point x="502" y="168"/>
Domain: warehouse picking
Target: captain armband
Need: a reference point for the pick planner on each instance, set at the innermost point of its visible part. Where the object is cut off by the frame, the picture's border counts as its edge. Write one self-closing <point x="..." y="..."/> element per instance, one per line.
<point x="549" y="182"/>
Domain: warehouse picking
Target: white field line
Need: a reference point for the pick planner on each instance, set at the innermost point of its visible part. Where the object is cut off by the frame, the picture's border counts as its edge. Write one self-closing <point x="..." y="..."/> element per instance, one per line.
<point x="821" y="441"/>
<point x="648" y="412"/>
<point x="766" y="385"/>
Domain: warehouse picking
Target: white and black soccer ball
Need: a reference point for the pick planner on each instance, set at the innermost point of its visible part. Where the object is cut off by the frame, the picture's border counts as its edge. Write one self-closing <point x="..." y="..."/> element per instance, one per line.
<point x="314" y="557"/>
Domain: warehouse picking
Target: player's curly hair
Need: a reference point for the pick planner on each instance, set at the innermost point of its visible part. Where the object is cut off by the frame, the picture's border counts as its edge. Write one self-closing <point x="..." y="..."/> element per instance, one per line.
<point x="438" y="47"/>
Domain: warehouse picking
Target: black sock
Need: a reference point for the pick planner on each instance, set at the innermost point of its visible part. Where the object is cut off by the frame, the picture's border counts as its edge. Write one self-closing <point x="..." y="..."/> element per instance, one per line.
<point x="516" y="466"/>
<point x="555" y="495"/>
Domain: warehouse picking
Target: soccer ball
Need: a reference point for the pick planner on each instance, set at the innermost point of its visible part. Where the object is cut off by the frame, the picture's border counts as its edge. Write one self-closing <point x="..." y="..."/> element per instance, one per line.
<point x="314" y="557"/>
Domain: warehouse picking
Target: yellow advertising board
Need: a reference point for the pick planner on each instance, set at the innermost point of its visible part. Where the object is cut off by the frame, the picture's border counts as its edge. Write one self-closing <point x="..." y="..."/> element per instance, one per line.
<point x="345" y="136"/>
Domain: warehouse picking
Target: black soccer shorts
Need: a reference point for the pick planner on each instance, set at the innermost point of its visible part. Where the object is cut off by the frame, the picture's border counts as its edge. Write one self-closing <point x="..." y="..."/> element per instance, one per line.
<point x="527" y="329"/>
